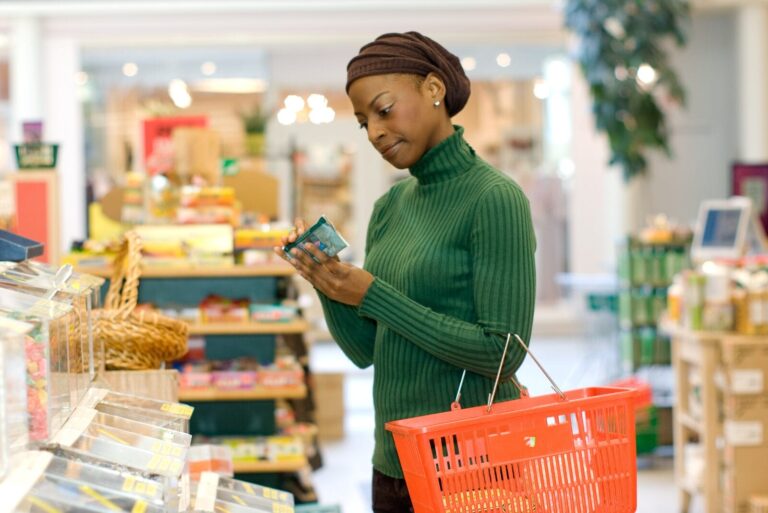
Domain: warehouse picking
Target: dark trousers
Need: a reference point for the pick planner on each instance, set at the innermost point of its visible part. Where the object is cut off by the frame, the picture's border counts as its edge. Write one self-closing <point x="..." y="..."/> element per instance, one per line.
<point x="390" y="495"/>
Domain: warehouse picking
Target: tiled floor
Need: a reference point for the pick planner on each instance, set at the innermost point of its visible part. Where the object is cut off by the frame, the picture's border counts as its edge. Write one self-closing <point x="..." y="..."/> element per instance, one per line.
<point x="345" y="477"/>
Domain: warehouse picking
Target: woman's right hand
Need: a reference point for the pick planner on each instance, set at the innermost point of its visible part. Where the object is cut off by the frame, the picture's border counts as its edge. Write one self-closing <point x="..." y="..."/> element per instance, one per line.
<point x="299" y="227"/>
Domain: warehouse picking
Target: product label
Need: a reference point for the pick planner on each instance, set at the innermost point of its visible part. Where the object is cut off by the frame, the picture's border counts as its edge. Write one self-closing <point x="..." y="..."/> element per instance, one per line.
<point x="23" y="475"/>
<point x="747" y="381"/>
<point x="206" y="492"/>
<point x="178" y="409"/>
<point x="166" y="449"/>
<point x="743" y="433"/>
<point x="131" y="485"/>
<point x="139" y="507"/>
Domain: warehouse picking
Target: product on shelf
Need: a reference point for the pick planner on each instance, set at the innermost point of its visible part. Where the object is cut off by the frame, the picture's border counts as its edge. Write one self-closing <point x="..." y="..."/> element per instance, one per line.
<point x="133" y="211"/>
<point x="273" y="313"/>
<point x="241" y="374"/>
<point x="260" y="448"/>
<point x="216" y="308"/>
<point x="14" y="430"/>
<point x="209" y="458"/>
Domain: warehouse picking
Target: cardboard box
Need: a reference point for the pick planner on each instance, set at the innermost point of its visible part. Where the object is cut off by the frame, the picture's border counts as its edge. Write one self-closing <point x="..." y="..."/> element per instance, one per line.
<point x="759" y="504"/>
<point x="329" y="405"/>
<point x="739" y="353"/>
<point x="257" y="192"/>
<point x="744" y="475"/>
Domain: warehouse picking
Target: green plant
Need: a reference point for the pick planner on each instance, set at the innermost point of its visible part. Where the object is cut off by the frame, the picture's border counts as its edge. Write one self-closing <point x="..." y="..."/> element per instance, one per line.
<point x="254" y="121"/>
<point x="622" y="53"/>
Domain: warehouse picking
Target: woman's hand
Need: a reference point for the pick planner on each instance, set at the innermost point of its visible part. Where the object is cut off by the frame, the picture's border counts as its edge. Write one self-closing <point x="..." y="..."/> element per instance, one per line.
<point x="339" y="281"/>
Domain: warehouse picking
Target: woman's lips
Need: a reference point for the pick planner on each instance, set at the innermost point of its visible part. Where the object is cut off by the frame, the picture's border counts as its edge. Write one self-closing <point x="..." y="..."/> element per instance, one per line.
<point x="390" y="152"/>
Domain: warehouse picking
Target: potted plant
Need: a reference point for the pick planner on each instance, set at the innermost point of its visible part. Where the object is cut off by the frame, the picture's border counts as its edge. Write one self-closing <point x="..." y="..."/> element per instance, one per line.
<point x="255" y="124"/>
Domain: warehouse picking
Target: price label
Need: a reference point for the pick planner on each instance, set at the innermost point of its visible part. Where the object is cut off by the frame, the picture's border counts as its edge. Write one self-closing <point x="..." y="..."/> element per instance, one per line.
<point x="183" y="410"/>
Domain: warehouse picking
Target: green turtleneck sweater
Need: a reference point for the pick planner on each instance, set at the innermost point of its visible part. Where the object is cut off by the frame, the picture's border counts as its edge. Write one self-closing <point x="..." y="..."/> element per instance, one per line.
<point x="452" y="252"/>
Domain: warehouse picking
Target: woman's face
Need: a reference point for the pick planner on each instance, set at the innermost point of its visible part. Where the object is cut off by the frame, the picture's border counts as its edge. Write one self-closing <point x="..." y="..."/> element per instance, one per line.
<point x="399" y="115"/>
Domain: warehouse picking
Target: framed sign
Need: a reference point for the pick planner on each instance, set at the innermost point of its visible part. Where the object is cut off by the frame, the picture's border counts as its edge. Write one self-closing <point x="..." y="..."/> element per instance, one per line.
<point x="751" y="181"/>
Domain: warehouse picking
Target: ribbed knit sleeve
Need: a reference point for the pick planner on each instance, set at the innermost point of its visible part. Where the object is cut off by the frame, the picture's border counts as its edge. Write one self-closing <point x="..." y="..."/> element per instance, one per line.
<point x="502" y="246"/>
<point x="354" y="334"/>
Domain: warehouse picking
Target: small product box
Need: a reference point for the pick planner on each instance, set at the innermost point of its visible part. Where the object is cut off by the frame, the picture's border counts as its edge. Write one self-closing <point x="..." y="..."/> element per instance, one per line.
<point x="323" y="235"/>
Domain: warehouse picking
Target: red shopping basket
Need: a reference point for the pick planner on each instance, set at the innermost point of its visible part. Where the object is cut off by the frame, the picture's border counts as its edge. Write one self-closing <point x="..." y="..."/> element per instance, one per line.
<point x="559" y="453"/>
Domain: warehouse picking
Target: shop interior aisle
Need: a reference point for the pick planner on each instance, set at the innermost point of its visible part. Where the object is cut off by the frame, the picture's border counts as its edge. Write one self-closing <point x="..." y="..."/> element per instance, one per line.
<point x="345" y="476"/>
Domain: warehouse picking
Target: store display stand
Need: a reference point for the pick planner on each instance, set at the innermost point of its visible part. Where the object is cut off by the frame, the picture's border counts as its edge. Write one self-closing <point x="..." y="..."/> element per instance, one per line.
<point x="232" y="413"/>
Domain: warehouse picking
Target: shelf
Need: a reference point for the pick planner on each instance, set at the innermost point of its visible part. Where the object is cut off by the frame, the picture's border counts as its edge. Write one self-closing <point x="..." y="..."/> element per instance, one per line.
<point x="249" y="328"/>
<point x="689" y="422"/>
<point x="275" y="269"/>
<point x="253" y="394"/>
<point x="257" y="467"/>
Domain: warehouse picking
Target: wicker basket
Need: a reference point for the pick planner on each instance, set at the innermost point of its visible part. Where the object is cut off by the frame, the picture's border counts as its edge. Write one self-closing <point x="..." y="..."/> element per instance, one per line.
<point x="135" y="341"/>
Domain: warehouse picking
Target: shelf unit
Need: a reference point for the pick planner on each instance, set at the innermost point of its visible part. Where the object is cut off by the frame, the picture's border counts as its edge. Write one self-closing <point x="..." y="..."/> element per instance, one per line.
<point x="249" y="328"/>
<point x="237" y="413"/>
<point x="258" y="393"/>
<point x="646" y="270"/>
<point x="268" y="467"/>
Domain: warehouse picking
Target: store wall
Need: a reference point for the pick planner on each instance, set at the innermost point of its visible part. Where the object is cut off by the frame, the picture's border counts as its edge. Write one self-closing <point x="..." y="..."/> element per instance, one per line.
<point x="704" y="137"/>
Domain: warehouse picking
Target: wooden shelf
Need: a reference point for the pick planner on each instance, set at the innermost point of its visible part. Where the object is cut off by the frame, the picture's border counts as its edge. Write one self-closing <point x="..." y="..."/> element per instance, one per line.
<point x="234" y="271"/>
<point x="249" y="328"/>
<point x="258" y="393"/>
<point x="689" y="422"/>
<point x="256" y="467"/>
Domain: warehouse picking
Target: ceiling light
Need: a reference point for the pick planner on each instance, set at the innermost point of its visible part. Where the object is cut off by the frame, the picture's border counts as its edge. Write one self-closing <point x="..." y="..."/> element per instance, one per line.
<point x="322" y="115"/>
<point x="468" y="63"/>
<point x="646" y="75"/>
<point x="179" y="93"/>
<point x="208" y="68"/>
<point x="230" y="85"/>
<point x="286" y="116"/>
<point x="293" y="102"/>
<point x="130" y="69"/>
<point x="503" y="60"/>
<point x="540" y="89"/>
<point x="317" y="101"/>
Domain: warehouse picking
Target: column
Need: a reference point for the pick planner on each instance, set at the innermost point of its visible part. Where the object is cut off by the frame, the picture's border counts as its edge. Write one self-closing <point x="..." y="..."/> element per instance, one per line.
<point x="752" y="47"/>
<point x="26" y="102"/>
<point x="64" y="125"/>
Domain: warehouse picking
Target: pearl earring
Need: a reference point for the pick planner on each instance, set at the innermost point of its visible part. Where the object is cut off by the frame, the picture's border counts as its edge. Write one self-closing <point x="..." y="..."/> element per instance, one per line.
<point x="437" y="103"/>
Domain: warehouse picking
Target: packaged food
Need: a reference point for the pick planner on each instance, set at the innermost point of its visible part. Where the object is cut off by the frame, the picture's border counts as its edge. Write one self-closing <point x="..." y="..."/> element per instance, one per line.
<point x="323" y="235"/>
<point x="209" y="458"/>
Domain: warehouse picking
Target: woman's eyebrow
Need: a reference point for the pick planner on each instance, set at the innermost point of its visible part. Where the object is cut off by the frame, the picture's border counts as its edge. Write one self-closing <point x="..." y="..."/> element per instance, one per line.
<point x="373" y="101"/>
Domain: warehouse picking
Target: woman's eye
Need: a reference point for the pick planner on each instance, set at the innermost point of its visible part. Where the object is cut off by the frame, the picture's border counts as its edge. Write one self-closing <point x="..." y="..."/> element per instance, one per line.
<point x="385" y="111"/>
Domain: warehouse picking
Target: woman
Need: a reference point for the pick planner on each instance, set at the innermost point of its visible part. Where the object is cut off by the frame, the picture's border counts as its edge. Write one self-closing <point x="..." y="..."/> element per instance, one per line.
<point x="449" y="266"/>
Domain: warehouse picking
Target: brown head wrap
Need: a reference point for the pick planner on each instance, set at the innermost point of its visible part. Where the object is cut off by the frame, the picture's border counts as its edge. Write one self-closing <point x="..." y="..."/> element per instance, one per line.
<point x="415" y="54"/>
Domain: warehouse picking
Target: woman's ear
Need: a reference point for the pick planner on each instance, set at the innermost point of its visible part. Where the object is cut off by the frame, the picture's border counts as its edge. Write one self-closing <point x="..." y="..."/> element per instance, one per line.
<point x="434" y="87"/>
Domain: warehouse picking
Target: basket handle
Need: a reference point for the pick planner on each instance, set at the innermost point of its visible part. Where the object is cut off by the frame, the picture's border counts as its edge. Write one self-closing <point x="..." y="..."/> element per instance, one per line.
<point x="123" y="290"/>
<point x="455" y="405"/>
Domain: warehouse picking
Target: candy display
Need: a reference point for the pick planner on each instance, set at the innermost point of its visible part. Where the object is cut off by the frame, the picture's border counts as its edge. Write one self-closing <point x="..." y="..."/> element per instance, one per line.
<point x="241" y="374"/>
<point x="49" y="400"/>
<point x="173" y="416"/>
<point x="260" y="448"/>
<point x="215" y="493"/>
<point x="14" y="432"/>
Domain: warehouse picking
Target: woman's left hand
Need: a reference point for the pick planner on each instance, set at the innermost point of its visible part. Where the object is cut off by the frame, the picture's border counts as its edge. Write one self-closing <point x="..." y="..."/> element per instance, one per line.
<point x="341" y="282"/>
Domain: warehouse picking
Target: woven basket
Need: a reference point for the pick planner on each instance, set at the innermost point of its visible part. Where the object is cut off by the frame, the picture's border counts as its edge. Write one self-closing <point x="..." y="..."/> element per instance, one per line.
<point x="135" y="341"/>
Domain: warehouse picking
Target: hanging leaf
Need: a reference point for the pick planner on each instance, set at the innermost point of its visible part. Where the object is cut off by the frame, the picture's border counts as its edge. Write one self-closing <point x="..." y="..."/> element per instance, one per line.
<point x="622" y="53"/>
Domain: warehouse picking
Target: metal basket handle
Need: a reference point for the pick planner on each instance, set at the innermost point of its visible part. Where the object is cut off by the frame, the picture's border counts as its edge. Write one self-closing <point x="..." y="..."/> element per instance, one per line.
<point x="523" y="393"/>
